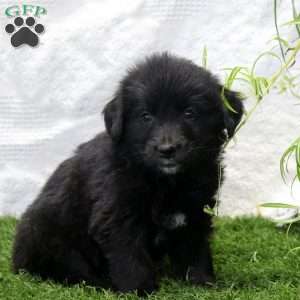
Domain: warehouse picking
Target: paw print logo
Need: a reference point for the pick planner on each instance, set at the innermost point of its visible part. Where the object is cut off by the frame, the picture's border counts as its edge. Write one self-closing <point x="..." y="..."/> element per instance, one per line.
<point x="24" y="33"/>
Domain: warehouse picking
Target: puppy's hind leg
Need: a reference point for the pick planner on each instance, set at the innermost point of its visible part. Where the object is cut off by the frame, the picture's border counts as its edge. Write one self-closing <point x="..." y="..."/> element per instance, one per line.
<point x="59" y="264"/>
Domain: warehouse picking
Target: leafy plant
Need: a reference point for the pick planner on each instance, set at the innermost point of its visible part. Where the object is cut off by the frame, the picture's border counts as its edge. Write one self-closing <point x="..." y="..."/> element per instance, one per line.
<point x="259" y="86"/>
<point x="288" y="82"/>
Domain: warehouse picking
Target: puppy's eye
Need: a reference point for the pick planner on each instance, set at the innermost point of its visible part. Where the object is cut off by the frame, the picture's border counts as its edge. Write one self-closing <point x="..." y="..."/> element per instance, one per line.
<point x="146" y="117"/>
<point x="189" y="113"/>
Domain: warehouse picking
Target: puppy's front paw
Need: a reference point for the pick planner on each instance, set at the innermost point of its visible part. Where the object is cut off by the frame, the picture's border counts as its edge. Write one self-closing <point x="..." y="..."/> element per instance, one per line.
<point x="199" y="277"/>
<point x="143" y="285"/>
<point x="147" y="288"/>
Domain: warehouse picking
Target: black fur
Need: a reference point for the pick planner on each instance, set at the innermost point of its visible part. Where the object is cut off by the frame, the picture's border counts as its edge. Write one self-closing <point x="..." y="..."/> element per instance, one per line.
<point x="129" y="197"/>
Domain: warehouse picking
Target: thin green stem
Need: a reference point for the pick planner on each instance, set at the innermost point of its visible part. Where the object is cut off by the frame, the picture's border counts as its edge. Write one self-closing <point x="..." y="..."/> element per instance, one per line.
<point x="277" y="29"/>
<point x="295" y="14"/>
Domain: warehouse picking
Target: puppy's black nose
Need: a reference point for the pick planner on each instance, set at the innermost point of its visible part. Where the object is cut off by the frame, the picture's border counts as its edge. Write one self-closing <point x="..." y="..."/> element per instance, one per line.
<point x="167" y="150"/>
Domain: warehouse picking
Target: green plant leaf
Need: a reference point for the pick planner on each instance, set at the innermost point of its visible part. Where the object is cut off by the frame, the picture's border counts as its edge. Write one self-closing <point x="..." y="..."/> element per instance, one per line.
<point x="295" y="21"/>
<point x="210" y="211"/>
<point x="289" y="221"/>
<point x="278" y="205"/>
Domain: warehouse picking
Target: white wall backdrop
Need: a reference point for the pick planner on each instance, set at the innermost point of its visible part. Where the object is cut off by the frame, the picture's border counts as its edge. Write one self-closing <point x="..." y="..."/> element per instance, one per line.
<point x="51" y="96"/>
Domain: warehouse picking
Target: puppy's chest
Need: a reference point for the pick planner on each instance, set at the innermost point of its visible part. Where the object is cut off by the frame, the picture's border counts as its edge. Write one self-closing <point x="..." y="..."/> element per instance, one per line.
<point x="167" y="226"/>
<point x="174" y="211"/>
<point x="173" y="221"/>
<point x="174" y="216"/>
<point x="171" y="214"/>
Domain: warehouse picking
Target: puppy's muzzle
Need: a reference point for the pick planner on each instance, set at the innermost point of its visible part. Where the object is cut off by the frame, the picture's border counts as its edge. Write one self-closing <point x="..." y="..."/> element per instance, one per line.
<point x="167" y="146"/>
<point x="168" y="150"/>
<point x="167" y="153"/>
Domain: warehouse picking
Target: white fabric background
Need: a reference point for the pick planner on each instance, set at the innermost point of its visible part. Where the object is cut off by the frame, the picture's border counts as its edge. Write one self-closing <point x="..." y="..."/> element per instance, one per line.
<point x="51" y="96"/>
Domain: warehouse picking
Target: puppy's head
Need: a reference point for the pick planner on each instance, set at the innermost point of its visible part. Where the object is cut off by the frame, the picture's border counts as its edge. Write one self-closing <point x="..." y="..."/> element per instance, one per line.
<point x="168" y="114"/>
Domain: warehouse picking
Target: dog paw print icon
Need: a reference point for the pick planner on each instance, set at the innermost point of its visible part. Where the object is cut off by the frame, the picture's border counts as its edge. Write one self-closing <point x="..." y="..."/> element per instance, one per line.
<point x="24" y="32"/>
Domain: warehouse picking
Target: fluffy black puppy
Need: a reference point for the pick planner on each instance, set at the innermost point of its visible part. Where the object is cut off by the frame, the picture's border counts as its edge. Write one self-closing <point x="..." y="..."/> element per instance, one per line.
<point x="128" y="197"/>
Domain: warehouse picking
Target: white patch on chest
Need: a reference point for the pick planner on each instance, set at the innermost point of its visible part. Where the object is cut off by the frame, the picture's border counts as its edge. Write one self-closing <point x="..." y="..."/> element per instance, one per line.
<point x="175" y="221"/>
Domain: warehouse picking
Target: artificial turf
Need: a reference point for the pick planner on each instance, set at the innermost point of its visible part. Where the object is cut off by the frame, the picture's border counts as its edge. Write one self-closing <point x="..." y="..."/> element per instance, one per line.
<point x="252" y="261"/>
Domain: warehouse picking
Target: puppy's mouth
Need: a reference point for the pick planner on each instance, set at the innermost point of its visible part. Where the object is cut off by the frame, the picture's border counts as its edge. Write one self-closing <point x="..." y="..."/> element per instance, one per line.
<point x="168" y="166"/>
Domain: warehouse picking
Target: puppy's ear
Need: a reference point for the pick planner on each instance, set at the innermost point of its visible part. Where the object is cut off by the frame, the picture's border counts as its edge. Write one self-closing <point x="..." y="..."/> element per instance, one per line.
<point x="113" y="117"/>
<point x="234" y="113"/>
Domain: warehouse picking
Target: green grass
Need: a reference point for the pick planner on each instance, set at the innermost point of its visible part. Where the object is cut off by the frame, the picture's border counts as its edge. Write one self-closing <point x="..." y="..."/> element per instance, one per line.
<point x="252" y="261"/>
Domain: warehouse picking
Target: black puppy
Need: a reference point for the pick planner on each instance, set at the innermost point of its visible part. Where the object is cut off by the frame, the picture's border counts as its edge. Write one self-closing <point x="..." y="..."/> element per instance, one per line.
<point x="109" y="214"/>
